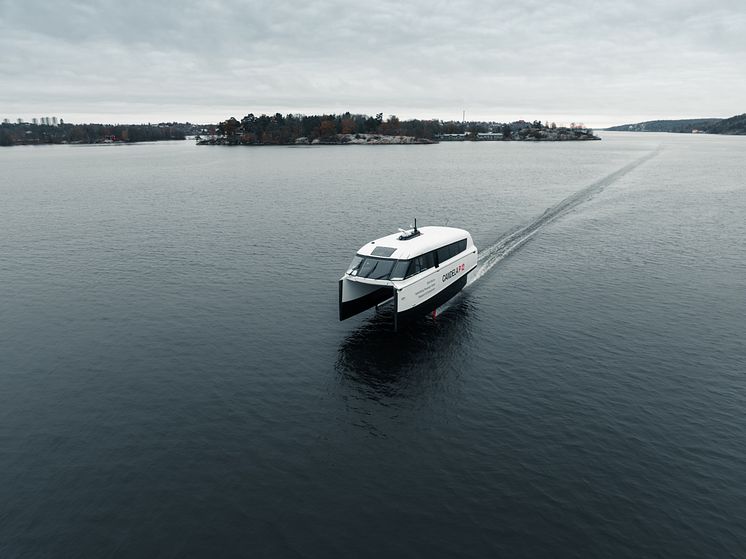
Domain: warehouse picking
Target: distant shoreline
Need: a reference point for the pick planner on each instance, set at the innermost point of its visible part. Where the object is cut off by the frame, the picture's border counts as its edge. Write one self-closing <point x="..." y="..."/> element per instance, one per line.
<point x="25" y="133"/>
<point x="733" y="126"/>
<point x="349" y="128"/>
<point x="529" y="135"/>
<point x="294" y="129"/>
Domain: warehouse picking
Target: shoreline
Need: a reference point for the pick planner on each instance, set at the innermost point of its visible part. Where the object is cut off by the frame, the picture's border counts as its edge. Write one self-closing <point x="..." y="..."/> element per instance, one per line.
<point x="526" y="135"/>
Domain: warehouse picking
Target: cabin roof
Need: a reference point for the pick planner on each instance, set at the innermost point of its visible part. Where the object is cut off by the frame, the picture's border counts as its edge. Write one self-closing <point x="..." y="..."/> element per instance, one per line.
<point x="430" y="238"/>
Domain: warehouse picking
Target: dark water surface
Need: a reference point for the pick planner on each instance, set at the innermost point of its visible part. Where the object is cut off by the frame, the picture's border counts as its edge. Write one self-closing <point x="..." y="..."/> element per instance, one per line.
<point x="174" y="381"/>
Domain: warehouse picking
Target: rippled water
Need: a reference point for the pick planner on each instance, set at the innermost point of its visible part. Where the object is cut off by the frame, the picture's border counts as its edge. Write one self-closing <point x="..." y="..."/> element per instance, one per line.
<point x="174" y="381"/>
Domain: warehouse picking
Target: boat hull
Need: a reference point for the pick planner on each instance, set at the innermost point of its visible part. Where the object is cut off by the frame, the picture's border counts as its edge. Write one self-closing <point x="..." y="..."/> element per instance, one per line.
<point x="427" y="306"/>
<point x="356" y="297"/>
<point x="410" y="302"/>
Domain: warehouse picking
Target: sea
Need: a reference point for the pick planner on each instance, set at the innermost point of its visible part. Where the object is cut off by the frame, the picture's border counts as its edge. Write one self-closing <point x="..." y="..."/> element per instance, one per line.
<point x="175" y="382"/>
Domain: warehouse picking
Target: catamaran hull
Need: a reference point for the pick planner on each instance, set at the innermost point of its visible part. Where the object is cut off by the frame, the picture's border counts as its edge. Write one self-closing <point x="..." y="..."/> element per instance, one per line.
<point x="356" y="297"/>
<point x="427" y="306"/>
<point x="410" y="301"/>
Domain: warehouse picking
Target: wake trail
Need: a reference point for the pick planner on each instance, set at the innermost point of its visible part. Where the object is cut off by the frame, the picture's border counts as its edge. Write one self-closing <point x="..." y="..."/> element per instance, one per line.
<point x="513" y="240"/>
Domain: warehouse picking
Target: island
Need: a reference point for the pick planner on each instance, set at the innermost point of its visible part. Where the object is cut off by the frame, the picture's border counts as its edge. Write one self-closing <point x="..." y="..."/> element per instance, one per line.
<point x="360" y="129"/>
<point x="735" y="125"/>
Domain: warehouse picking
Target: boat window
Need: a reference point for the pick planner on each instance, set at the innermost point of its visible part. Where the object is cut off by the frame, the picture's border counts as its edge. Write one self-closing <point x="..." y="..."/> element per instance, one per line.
<point x="449" y="251"/>
<point x="373" y="268"/>
<point x="444" y="253"/>
<point x="428" y="260"/>
<point x="382" y="269"/>
<point x="354" y="264"/>
<point x="383" y="251"/>
<point x="388" y="268"/>
<point x="400" y="270"/>
<point x="421" y="263"/>
<point x="368" y="267"/>
<point x="414" y="267"/>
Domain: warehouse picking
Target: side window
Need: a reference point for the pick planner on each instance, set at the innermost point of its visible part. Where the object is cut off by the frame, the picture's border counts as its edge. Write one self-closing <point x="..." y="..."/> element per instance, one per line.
<point x="421" y="267"/>
<point x="444" y="253"/>
<point x="414" y="267"/>
<point x="421" y="263"/>
<point x="457" y="248"/>
<point x="400" y="269"/>
<point x="428" y="260"/>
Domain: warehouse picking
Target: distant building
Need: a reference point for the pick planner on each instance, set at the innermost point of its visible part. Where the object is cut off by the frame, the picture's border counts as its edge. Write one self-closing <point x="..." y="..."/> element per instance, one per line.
<point x="489" y="136"/>
<point x="6" y="121"/>
<point x="34" y="121"/>
<point x="453" y="137"/>
<point x="20" y="121"/>
<point x="54" y="121"/>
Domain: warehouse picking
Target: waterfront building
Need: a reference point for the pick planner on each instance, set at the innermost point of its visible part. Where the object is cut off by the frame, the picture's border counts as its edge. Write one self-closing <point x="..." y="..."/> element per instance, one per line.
<point x="489" y="136"/>
<point x="453" y="137"/>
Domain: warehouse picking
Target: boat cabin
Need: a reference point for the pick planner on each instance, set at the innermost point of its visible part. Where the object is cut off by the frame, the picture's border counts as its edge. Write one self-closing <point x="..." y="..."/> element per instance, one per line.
<point x="401" y="256"/>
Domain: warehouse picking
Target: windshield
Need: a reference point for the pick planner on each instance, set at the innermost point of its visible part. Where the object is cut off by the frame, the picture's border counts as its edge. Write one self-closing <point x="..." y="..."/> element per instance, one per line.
<point x="355" y="264"/>
<point x="369" y="267"/>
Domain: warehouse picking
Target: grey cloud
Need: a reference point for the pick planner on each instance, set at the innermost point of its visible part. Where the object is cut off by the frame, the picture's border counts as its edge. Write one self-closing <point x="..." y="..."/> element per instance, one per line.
<point x="205" y="60"/>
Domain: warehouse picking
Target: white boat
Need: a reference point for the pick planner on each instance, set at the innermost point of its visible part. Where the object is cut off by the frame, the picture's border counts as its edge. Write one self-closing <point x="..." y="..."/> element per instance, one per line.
<point x="420" y="269"/>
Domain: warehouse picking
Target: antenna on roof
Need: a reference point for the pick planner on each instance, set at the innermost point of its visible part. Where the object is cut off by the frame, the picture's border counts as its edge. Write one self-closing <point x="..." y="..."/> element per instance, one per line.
<point x="407" y="234"/>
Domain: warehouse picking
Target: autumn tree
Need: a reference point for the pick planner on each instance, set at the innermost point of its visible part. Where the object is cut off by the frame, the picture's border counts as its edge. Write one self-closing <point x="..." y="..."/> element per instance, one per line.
<point x="348" y="126"/>
<point x="327" y="128"/>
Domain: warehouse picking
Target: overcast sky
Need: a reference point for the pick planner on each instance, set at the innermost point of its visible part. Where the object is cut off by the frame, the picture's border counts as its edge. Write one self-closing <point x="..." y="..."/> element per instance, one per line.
<point x="597" y="62"/>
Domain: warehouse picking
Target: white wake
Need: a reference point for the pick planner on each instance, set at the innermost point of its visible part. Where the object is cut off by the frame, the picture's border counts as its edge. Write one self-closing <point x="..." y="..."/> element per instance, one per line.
<point x="512" y="241"/>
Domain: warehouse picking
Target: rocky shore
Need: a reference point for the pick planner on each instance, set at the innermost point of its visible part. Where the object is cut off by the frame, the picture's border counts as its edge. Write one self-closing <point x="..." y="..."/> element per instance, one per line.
<point x="335" y="140"/>
<point x="561" y="134"/>
<point x="365" y="139"/>
<point x="523" y="135"/>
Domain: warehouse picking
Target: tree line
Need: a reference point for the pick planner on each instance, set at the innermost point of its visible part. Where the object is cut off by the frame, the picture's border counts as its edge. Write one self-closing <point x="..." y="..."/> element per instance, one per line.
<point x="279" y="129"/>
<point x="22" y="134"/>
<point x="285" y="129"/>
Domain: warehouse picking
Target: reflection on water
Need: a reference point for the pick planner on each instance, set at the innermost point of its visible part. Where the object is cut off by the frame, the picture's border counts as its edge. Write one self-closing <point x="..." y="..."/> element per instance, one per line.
<point x="382" y="365"/>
